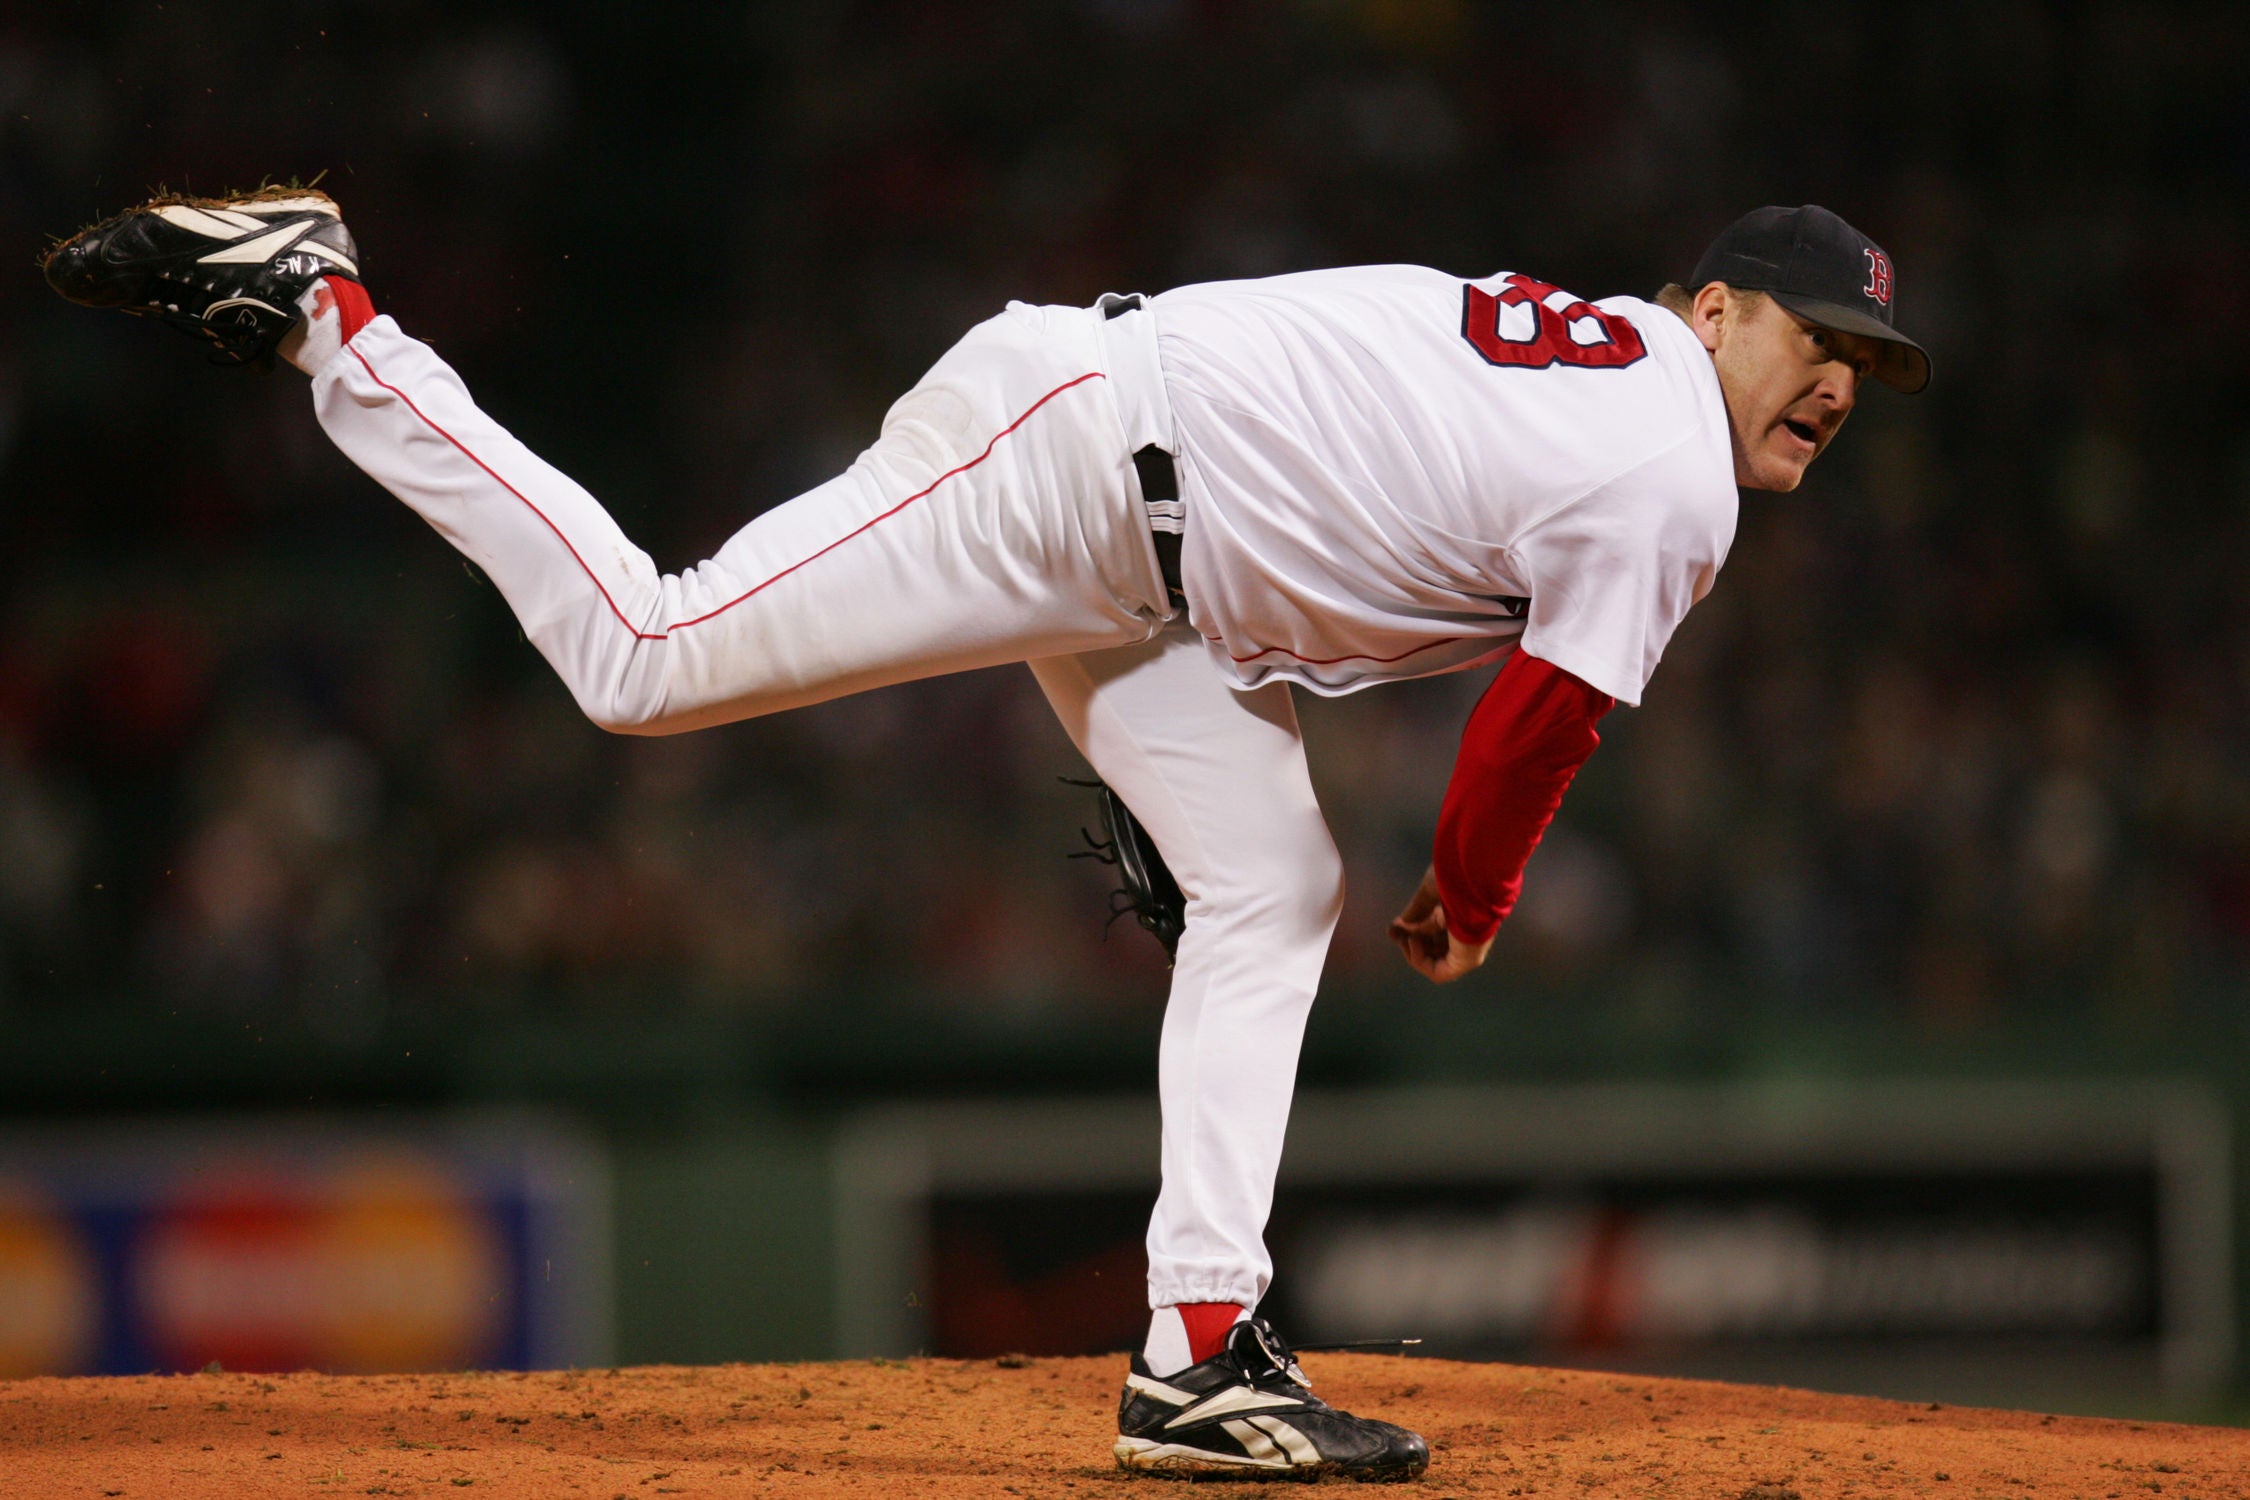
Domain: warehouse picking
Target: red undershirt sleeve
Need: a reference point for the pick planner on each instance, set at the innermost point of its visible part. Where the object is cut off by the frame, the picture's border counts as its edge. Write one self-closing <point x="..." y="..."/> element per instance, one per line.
<point x="1526" y="739"/>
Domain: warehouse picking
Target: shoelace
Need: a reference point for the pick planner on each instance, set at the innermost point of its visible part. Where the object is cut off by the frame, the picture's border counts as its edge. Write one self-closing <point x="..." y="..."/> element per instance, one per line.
<point x="1283" y="1358"/>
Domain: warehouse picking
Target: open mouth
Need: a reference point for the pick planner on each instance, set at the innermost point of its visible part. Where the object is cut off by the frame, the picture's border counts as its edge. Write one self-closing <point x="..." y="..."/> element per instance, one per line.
<point x="1804" y="430"/>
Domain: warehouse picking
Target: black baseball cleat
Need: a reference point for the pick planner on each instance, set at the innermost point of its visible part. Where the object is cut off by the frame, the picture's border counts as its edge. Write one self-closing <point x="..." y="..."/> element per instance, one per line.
<point x="1248" y="1410"/>
<point x="226" y="269"/>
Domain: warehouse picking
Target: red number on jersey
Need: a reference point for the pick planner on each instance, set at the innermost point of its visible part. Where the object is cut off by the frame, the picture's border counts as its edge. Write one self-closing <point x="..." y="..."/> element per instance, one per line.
<point x="1533" y="325"/>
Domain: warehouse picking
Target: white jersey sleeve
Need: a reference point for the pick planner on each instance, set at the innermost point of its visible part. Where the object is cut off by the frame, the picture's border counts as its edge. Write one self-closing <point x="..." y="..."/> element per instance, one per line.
<point x="1614" y="572"/>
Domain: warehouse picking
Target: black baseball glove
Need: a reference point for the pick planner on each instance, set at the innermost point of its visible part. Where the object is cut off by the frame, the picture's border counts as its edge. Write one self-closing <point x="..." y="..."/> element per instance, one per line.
<point x="1149" y="891"/>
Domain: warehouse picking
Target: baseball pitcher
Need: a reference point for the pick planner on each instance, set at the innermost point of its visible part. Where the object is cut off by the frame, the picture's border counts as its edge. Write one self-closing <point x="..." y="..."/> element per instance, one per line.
<point x="1178" y="509"/>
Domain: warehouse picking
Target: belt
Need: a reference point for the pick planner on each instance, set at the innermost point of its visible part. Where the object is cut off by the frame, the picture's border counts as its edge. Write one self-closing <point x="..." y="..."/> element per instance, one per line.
<point x="1160" y="481"/>
<point x="1129" y="346"/>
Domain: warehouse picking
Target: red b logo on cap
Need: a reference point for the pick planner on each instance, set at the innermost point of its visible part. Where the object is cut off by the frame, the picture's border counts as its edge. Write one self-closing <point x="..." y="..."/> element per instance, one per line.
<point x="1878" y="278"/>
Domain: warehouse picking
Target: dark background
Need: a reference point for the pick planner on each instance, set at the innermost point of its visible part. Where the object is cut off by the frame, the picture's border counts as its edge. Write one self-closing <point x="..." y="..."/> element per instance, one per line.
<point x="1949" y="773"/>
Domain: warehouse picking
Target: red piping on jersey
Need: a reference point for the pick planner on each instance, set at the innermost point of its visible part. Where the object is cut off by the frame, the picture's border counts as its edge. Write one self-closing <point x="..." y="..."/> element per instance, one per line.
<point x="645" y="635"/>
<point x="1329" y="661"/>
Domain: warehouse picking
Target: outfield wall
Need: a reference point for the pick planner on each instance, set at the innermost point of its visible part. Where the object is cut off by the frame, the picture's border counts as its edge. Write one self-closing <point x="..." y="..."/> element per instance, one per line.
<point x="2051" y="1217"/>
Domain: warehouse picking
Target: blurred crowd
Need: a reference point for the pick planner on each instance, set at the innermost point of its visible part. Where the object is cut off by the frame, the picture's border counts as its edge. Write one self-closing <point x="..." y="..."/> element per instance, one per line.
<point x="1964" y="729"/>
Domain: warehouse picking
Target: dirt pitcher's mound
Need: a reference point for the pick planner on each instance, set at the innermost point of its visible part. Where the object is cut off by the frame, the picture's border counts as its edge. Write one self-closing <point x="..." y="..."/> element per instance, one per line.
<point x="1037" y="1428"/>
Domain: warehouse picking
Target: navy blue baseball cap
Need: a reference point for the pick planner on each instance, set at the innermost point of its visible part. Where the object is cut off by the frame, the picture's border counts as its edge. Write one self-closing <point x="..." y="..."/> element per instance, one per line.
<point x="1820" y="268"/>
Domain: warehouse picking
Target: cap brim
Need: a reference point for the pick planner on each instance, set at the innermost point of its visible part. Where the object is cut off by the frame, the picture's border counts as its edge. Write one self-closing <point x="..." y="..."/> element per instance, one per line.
<point x="1904" y="365"/>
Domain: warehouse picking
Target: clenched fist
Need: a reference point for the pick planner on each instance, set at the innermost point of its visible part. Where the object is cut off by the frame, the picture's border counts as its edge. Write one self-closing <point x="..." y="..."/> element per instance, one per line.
<point x="1421" y="935"/>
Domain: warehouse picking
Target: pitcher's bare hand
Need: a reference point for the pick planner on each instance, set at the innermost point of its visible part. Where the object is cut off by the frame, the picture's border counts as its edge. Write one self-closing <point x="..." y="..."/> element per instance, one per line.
<point x="1421" y="935"/>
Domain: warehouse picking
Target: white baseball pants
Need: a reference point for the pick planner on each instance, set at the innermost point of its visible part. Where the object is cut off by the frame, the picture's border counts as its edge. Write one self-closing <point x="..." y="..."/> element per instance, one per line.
<point x="997" y="518"/>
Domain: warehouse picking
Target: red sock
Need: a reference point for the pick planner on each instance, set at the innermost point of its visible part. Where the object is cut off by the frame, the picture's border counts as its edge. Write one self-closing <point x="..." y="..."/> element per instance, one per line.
<point x="1207" y="1324"/>
<point x="354" y="310"/>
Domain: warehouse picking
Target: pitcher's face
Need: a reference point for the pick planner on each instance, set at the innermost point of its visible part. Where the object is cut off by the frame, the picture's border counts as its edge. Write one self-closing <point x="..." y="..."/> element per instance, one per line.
<point x="1789" y="383"/>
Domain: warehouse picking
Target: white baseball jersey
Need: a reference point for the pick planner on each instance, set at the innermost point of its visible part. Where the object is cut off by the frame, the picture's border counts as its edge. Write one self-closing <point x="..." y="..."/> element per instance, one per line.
<point x="1381" y="464"/>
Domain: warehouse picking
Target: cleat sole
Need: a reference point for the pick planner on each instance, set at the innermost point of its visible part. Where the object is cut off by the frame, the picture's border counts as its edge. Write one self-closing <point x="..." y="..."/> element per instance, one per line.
<point x="1179" y="1461"/>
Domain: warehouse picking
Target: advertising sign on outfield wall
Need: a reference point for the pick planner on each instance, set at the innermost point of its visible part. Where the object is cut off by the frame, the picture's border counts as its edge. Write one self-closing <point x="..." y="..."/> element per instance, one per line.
<point x="284" y="1245"/>
<point x="1977" y="1241"/>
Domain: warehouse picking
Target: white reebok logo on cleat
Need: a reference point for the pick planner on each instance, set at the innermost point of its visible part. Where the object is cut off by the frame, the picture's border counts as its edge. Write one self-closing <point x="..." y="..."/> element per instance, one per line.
<point x="262" y="247"/>
<point x="211" y="225"/>
<point x="1232" y="1399"/>
<point x="1269" y="1439"/>
<point x="1169" y="1395"/>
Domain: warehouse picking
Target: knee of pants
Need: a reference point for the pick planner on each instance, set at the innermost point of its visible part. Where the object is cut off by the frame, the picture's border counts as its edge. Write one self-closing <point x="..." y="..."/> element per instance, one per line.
<point x="1287" y="883"/>
<point x="623" y="713"/>
<point x="628" y="694"/>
